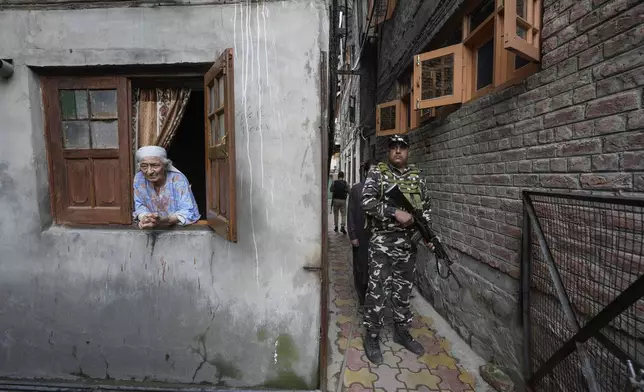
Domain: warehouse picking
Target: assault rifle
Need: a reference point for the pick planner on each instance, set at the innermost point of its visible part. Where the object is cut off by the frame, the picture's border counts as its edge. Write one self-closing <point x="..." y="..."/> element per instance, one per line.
<point x="423" y="230"/>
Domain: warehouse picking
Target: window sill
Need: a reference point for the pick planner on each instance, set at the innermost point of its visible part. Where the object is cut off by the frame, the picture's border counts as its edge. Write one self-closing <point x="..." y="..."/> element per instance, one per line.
<point x="195" y="227"/>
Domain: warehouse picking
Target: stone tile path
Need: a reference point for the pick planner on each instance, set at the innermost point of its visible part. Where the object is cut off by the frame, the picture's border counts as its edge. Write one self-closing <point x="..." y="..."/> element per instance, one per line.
<point x="348" y="367"/>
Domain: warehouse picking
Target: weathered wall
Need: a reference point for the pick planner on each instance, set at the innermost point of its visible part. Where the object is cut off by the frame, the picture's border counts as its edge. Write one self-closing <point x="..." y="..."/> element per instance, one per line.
<point x="577" y="125"/>
<point x="175" y="306"/>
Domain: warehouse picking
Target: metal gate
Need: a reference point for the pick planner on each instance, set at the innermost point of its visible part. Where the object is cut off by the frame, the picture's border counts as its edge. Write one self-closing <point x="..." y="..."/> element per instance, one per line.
<point x="582" y="283"/>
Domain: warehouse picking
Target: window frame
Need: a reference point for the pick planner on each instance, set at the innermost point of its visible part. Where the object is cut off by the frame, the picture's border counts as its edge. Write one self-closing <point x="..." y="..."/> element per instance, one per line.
<point x="399" y="119"/>
<point x="457" y="77"/>
<point x="391" y="5"/>
<point x="62" y="211"/>
<point x="505" y="55"/>
<point x="220" y="151"/>
<point x="529" y="48"/>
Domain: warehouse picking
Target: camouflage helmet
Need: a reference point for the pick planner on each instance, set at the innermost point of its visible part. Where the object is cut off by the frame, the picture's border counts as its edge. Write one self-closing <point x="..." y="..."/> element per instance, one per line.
<point x="398" y="139"/>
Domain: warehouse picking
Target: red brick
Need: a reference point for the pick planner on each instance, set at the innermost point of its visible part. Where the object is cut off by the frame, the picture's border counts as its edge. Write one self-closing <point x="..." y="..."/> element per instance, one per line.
<point x="607" y="181"/>
<point x="509" y="230"/>
<point x="613" y="104"/>
<point x="568" y="181"/>
<point x="504" y="254"/>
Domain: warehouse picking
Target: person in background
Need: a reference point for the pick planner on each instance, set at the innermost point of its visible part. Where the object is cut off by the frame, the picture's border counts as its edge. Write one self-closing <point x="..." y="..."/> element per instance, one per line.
<point x="359" y="236"/>
<point x="162" y="194"/>
<point x="339" y="190"/>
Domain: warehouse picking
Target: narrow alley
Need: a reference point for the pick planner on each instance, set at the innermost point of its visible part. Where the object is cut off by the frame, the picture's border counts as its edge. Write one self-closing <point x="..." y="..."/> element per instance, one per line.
<point x="447" y="365"/>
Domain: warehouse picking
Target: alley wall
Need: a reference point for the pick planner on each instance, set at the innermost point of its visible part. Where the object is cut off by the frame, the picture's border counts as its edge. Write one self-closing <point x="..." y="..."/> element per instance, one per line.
<point x="576" y="125"/>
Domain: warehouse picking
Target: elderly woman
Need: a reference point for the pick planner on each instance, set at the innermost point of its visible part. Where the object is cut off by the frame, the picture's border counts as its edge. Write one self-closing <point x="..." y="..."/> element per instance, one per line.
<point x="162" y="194"/>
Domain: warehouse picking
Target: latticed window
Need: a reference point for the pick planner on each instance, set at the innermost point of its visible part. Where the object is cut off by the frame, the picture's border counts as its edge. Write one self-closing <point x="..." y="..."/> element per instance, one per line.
<point x="383" y="10"/>
<point x="500" y="46"/>
<point x="390" y="118"/>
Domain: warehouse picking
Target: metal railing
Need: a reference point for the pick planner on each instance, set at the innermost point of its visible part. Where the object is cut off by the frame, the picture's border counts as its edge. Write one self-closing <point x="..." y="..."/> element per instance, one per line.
<point x="582" y="283"/>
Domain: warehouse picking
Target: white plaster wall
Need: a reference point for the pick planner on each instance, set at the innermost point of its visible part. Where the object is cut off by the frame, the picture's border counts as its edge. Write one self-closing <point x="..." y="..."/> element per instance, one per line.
<point x="175" y="306"/>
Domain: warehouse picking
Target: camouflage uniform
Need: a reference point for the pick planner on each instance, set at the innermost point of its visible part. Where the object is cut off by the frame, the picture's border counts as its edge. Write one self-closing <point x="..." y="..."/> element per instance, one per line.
<point x="392" y="254"/>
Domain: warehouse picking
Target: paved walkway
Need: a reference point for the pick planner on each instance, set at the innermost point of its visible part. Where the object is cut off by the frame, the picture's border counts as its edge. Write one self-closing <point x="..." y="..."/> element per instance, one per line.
<point x="348" y="367"/>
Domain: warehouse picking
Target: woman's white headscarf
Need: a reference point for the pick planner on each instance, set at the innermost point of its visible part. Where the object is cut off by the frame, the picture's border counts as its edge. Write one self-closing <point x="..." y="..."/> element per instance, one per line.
<point x="154" y="151"/>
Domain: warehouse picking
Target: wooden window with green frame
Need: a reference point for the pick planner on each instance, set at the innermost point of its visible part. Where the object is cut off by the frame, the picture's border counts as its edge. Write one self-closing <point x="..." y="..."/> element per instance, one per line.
<point x="493" y="54"/>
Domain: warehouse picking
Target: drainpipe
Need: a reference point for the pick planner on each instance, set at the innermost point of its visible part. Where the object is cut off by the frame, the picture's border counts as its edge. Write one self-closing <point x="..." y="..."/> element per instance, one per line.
<point x="6" y="68"/>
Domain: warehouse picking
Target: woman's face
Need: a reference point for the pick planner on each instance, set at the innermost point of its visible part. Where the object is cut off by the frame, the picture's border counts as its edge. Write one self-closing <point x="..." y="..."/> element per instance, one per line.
<point x="153" y="169"/>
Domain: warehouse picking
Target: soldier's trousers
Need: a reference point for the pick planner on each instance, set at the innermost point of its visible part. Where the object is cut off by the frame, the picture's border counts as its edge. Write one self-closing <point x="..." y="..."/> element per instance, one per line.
<point x="392" y="262"/>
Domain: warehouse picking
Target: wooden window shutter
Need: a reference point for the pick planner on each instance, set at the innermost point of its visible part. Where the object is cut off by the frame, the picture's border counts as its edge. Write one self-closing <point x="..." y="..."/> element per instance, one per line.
<point x="383" y="11"/>
<point x="220" y="147"/>
<point x="438" y="77"/>
<point x="521" y="28"/>
<point x="89" y="145"/>
<point x="390" y="118"/>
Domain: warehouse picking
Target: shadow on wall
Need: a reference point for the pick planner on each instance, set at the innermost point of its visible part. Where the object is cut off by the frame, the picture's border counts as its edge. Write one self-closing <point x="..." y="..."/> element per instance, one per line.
<point x="485" y="316"/>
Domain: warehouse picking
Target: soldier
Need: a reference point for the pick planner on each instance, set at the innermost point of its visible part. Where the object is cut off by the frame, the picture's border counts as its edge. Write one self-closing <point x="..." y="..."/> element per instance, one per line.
<point x="392" y="254"/>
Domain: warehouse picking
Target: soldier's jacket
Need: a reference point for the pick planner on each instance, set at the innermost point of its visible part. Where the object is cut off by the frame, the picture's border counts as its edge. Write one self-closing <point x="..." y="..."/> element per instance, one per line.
<point x="375" y="204"/>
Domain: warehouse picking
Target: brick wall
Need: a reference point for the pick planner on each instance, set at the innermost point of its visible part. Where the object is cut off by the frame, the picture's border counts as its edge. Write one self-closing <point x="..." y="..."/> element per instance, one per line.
<point x="577" y="125"/>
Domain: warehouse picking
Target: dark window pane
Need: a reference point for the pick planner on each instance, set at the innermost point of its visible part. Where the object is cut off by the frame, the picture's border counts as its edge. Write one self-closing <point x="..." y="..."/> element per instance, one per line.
<point x="481" y="13"/>
<point x="485" y="65"/>
<point x="520" y="62"/>
<point x="381" y="8"/>
<point x="437" y="77"/>
<point x="388" y="118"/>
<point x="522" y="32"/>
<point x="103" y="103"/>
<point x="73" y="104"/>
<point x="521" y="8"/>
<point x="75" y="134"/>
<point x="104" y="134"/>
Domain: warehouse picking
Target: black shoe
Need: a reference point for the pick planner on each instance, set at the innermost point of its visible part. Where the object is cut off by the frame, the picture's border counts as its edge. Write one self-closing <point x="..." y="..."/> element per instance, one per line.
<point x="343" y="230"/>
<point x="372" y="348"/>
<point x="404" y="338"/>
<point x="336" y="229"/>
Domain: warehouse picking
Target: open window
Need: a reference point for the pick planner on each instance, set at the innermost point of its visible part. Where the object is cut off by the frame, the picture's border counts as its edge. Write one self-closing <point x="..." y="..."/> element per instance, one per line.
<point x="500" y="46"/>
<point x="220" y="147"/>
<point x="383" y="11"/>
<point x="89" y="147"/>
<point x="390" y="118"/>
<point x="521" y="28"/>
<point x="438" y="77"/>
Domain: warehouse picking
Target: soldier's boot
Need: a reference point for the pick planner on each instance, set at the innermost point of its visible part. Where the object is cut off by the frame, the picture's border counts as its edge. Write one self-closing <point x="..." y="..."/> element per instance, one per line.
<point x="372" y="347"/>
<point x="343" y="230"/>
<point x="404" y="338"/>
